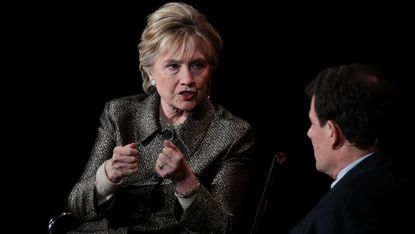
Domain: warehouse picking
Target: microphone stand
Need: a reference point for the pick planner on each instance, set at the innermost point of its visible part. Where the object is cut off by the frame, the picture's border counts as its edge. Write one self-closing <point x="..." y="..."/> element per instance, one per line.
<point x="277" y="160"/>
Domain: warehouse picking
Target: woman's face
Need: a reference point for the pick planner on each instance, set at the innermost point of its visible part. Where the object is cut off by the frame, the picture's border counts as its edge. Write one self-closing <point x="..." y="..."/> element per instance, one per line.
<point x="182" y="78"/>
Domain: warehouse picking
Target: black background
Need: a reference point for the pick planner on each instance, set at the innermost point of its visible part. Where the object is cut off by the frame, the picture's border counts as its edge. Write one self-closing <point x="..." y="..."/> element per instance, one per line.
<point x="77" y="56"/>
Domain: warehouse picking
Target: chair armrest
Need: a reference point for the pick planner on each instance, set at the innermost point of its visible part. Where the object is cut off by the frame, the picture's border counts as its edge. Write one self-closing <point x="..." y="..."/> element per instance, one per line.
<point x="62" y="223"/>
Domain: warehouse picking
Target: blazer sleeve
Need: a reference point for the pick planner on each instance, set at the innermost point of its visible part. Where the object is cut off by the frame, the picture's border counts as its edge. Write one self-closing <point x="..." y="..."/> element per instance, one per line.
<point x="217" y="206"/>
<point x="82" y="198"/>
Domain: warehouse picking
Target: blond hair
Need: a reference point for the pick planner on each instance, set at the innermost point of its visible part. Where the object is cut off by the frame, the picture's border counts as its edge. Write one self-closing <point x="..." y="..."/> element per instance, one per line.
<point x="178" y="25"/>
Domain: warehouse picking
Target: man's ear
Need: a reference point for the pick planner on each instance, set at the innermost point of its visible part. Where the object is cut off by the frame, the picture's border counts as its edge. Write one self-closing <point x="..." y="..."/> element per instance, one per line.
<point x="336" y="134"/>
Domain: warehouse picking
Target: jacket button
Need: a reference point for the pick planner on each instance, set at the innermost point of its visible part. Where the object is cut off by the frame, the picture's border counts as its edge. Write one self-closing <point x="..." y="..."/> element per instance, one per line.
<point x="155" y="177"/>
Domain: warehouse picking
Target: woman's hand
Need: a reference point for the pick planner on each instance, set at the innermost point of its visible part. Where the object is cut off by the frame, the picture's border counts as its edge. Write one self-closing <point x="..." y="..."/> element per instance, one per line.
<point x="123" y="162"/>
<point x="172" y="165"/>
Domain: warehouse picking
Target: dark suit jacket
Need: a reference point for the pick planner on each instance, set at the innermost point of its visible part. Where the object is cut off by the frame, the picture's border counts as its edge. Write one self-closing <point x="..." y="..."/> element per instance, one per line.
<point x="376" y="196"/>
<point x="217" y="145"/>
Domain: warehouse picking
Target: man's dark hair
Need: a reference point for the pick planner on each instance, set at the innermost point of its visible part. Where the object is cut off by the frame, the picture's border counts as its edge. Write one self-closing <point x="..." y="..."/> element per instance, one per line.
<point x="359" y="99"/>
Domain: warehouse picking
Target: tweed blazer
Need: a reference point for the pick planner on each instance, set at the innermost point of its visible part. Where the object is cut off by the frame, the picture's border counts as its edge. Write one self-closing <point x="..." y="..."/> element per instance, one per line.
<point x="217" y="145"/>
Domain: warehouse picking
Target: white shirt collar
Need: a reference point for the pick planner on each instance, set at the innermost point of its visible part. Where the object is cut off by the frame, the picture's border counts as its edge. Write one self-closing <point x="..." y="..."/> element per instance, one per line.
<point x="348" y="168"/>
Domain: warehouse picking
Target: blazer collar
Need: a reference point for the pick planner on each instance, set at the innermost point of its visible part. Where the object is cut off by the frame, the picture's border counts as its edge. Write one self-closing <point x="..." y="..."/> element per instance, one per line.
<point x="190" y="133"/>
<point x="194" y="129"/>
<point x="145" y="118"/>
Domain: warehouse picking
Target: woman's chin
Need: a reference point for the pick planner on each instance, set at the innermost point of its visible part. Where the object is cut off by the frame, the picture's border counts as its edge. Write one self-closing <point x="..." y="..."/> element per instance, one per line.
<point x="187" y="106"/>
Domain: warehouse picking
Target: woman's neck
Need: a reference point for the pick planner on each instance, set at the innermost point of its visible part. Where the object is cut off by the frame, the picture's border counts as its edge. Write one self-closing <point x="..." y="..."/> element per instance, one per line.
<point x="172" y="116"/>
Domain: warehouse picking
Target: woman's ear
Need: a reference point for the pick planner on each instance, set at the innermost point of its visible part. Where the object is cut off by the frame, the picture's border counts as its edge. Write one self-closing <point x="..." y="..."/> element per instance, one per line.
<point x="148" y="71"/>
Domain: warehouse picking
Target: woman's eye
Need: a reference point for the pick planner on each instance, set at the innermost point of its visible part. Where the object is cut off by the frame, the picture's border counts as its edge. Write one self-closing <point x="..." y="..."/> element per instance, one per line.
<point x="198" y="66"/>
<point x="173" y="66"/>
